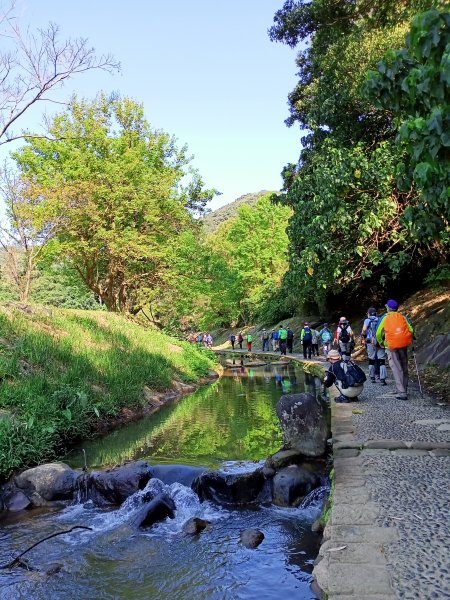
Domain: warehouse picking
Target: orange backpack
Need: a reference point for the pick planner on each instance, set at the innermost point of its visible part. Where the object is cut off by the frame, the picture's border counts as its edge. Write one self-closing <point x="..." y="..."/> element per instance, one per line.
<point x="396" y="331"/>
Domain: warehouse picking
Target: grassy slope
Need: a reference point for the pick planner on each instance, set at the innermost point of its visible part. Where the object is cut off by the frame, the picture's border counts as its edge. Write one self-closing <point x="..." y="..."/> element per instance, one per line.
<point x="62" y="371"/>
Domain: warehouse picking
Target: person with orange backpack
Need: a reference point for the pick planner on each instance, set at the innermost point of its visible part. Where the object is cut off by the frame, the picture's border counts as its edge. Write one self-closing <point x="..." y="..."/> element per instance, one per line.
<point x="395" y="332"/>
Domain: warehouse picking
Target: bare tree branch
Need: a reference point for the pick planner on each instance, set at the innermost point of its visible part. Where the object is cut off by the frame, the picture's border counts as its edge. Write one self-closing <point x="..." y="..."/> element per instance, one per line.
<point x="35" y="64"/>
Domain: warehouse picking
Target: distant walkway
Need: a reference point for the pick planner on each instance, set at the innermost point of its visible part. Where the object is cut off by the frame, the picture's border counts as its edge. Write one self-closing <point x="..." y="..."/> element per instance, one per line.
<point x="388" y="536"/>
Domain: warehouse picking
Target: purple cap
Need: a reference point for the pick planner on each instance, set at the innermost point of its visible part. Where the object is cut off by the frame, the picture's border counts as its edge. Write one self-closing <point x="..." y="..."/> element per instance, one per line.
<point x="392" y="304"/>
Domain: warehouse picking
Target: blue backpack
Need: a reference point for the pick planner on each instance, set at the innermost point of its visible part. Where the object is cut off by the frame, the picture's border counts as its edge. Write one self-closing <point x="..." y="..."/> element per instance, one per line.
<point x="307" y="335"/>
<point x="372" y="329"/>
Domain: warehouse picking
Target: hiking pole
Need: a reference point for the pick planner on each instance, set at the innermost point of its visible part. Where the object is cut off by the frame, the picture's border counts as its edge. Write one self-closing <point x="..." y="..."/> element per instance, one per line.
<point x="417" y="371"/>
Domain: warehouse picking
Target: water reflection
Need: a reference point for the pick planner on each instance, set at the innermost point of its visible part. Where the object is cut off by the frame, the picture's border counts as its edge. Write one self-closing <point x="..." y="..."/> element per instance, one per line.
<point x="232" y="419"/>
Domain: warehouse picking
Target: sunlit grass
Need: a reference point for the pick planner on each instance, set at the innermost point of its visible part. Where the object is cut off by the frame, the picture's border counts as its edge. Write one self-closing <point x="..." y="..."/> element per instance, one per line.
<point x="63" y="370"/>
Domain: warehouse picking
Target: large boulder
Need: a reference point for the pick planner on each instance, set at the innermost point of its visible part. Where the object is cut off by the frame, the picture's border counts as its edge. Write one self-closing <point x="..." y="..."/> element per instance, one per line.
<point x="232" y="489"/>
<point x="16" y="501"/>
<point x="436" y="352"/>
<point x="183" y="474"/>
<point x="115" y="485"/>
<point x="52" y="481"/>
<point x="161" y="507"/>
<point x="304" y="423"/>
<point x="292" y="484"/>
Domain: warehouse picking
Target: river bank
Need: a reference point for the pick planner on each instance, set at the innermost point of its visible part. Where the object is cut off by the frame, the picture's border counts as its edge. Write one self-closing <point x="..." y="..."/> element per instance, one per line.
<point x="67" y="374"/>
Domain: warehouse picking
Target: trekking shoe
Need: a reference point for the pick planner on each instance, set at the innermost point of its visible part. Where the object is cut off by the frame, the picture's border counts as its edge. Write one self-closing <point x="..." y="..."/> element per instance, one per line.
<point x="402" y="397"/>
<point x="372" y="379"/>
<point x="342" y="400"/>
<point x="383" y="382"/>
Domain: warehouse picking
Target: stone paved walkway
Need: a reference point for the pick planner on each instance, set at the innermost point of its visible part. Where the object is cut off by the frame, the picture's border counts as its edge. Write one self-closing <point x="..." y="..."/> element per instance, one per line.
<point x="388" y="536"/>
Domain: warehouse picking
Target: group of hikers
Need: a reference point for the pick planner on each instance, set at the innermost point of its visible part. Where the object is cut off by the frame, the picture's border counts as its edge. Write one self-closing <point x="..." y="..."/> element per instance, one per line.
<point x="388" y="336"/>
<point x="201" y="339"/>
<point x="384" y="337"/>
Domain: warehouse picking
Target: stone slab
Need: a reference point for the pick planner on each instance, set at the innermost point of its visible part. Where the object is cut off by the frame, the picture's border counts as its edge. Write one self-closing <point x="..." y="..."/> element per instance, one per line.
<point x="345" y="452"/>
<point x="342" y="495"/>
<point x="385" y="444"/>
<point x="354" y="553"/>
<point x="358" y="514"/>
<point x="361" y="533"/>
<point x="411" y="452"/>
<point x="359" y="580"/>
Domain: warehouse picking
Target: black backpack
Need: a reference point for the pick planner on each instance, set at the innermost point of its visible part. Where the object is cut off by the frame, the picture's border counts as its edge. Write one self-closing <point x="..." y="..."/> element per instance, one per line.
<point x="344" y="335"/>
<point x="354" y="375"/>
<point x="290" y="334"/>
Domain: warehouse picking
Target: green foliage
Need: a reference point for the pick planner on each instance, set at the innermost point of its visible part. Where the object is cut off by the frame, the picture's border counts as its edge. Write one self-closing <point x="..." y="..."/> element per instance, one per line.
<point x="213" y="219"/>
<point x="115" y="193"/>
<point x="62" y="373"/>
<point x="58" y="284"/>
<point x="345" y="228"/>
<point x="349" y="234"/>
<point x="439" y="276"/>
<point x="414" y="83"/>
<point x="254" y="246"/>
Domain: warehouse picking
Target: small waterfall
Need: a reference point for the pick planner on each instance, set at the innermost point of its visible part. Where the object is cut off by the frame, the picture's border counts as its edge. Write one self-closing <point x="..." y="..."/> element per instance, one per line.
<point x="315" y="498"/>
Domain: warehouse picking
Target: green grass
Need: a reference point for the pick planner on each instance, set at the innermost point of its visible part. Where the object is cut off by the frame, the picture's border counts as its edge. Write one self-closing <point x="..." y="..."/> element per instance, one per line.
<point x="63" y="371"/>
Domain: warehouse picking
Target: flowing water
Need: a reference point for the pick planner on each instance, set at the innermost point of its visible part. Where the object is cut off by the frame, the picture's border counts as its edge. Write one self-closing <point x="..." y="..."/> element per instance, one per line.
<point x="225" y="426"/>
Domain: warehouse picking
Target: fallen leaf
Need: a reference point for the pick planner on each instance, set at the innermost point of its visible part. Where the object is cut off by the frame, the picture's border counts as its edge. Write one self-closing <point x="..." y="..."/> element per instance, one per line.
<point x="336" y="549"/>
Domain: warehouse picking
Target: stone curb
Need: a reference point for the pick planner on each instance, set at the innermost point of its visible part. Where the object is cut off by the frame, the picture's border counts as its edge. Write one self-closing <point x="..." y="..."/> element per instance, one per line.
<point x="352" y="564"/>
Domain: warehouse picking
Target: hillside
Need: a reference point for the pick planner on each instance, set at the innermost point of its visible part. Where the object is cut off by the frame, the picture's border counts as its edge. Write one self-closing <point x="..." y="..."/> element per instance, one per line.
<point x="216" y="217"/>
<point x="65" y="373"/>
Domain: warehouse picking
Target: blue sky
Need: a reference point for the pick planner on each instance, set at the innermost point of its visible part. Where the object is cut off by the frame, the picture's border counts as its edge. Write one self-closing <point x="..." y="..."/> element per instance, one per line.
<point x="205" y="71"/>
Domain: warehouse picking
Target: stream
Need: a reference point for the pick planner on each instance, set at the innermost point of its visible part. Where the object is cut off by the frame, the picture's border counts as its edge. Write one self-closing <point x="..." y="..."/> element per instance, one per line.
<point x="229" y="425"/>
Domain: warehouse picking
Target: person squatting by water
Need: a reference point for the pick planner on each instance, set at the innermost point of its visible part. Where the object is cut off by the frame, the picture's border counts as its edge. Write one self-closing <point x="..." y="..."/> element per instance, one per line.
<point x="344" y="339"/>
<point x="265" y="340"/>
<point x="346" y="376"/>
<point x="282" y="338"/>
<point x="376" y="354"/>
<point x="395" y="332"/>
<point x="306" y="340"/>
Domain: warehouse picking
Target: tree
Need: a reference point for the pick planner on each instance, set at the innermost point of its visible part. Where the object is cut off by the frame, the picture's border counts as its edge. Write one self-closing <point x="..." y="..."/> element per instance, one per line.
<point x="24" y="236"/>
<point x="254" y="245"/>
<point x="347" y="235"/>
<point x="413" y="84"/>
<point x="115" y="186"/>
<point x="32" y="64"/>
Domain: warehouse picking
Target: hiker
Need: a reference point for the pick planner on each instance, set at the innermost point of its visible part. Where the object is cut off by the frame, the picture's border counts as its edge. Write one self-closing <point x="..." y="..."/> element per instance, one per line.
<point x="395" y="332"/>
<point x="290" y="340"/>
<point x="274" y="338"/>
<point x="315" y="342"/>
<point x="240" y="339"/>
<point x="265" y="340"/>
<point x="346" y="376"/>
<point x="282" y="338"/>
<point x="375" y="353"/>
<point x="344" y="338"/>
<point x="232" y="340"/>
<point x="325" y="337"/>
<point x="306" y="340"/>
<point x="209" y="340"/>
<point x="249" y="339"/>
